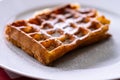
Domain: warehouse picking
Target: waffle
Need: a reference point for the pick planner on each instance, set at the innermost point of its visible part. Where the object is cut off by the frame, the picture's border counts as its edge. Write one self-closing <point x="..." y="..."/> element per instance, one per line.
<point x="51" y="33"/>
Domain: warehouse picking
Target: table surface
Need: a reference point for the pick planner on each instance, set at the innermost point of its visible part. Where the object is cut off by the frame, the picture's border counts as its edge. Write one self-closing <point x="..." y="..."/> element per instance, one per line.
<point x="7" y="75"/>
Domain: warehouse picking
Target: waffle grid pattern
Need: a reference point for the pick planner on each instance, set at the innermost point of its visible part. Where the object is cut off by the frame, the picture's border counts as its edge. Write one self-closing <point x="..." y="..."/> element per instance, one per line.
<point x="59" y="31"/>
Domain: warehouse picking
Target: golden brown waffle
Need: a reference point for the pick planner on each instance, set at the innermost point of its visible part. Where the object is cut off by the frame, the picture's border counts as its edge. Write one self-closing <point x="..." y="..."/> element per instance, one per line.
<point x="53" y="32"/>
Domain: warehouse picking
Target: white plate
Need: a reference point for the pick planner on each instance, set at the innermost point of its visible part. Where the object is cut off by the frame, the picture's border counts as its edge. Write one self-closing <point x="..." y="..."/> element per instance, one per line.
<point x="99" y="61"/>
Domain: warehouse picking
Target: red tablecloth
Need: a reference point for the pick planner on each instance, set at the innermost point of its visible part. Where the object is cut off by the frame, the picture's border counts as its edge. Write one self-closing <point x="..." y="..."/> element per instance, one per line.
<point x="7" y="75"/>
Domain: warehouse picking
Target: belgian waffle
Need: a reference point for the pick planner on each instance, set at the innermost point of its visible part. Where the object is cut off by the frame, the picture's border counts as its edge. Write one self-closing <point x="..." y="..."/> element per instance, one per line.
<point x="51" y="33"/>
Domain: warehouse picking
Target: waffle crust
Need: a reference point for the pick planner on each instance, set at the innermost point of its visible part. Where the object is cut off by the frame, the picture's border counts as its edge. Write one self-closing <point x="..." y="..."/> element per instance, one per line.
<point x="51" y="33"/>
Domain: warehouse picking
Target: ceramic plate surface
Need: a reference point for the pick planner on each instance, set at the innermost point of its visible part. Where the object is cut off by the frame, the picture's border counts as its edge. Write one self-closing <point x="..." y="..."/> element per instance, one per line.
<point x="98" y="61"/>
